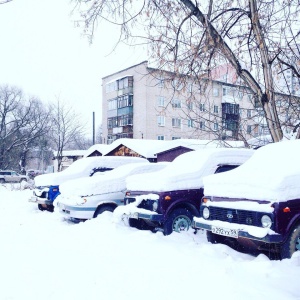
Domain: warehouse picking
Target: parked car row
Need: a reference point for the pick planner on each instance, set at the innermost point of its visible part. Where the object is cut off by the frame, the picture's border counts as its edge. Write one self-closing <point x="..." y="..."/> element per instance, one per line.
<point x="247" y="199"/>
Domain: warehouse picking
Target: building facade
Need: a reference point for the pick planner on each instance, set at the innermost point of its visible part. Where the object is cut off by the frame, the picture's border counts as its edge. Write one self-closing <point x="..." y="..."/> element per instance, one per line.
<point x="142" y="102"/>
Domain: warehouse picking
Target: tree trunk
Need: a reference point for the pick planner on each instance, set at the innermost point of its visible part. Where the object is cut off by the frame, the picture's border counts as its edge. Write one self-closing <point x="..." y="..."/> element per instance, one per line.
<point x="267" y="99"/>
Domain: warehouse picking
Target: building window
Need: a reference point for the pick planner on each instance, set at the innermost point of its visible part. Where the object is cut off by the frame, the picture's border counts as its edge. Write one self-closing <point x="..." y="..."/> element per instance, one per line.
<point x="125" y="82"/>
<point x="240" y="95"/>
<point x="112" y="104"/>
<point x="125" y="101"/>
<point x="176" y="122"/>
<point x="190" y="123"/>
<point x="248" y="113"/>
<point x="125" y="120"/>
<point x="111" y="86"/>
<point x="216" y="109"/>
<point x="176" y="138"/>
<point x="216" y="126"/>
<point x="112" y="122"/>
<point x="176" y="103"/>
<point x="177" y="85"/>
<point x="202" y="124"/>
<point x="160" y="137"/>
<point x="189" y="105"/>
<point x="215" y="92"/>
<point x="225" y="92"/>
<point x="190" y="88"/>
<point x="160" y="120"/>
<point x="201" y="106"/>
<point x="249" y="129"/>
<point x="161" y="101"/>
<point x="161" y="82"/>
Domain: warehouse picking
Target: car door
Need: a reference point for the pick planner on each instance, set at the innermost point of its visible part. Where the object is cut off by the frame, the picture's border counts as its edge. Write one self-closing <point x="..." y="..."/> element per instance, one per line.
<point x="8" y="176"/>
<point x="15" y="177"/>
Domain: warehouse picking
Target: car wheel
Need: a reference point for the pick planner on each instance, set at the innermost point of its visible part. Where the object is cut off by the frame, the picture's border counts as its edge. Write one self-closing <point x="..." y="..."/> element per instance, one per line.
<point x="2" y="180"/>
<point x="102" y="209"/>
<point x="40" y="207"/>
<point x="23" y="179"/>
<point x="292" y="244"/>
<point x="179" y="220"/>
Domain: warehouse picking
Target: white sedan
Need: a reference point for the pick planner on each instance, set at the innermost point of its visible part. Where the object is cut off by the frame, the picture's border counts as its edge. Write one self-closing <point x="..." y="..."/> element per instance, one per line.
<point x="86" y="198"/>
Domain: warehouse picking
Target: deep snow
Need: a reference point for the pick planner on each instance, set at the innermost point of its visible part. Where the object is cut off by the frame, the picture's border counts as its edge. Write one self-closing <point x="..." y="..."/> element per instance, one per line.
<point x="44" y="257"/>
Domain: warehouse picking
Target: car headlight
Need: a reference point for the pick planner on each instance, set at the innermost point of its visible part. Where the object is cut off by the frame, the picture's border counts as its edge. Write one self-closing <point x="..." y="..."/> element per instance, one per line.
<point x="155" y="205"/>
<point x="205" y="213"/>
<point x="266" y="221"/>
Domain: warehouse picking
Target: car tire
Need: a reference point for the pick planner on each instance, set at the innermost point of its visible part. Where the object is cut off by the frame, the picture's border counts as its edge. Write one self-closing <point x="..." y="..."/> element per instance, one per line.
<point x="179" y="220"/>
<point x="102" y="209"/>
<point x="40" y="207"/>
<point x="292" y="244"/>
<point x="24" y="179"/>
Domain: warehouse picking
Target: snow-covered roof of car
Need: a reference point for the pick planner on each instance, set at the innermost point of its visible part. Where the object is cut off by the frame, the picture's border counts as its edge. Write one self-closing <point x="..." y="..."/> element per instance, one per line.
<point x="109" y="182"/>
<point x="83" y="168"/>
<point x="186" y="171"/>
<point x="272" y="173"/>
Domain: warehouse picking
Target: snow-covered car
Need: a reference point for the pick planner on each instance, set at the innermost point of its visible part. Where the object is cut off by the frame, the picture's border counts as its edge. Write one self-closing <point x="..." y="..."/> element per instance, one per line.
<point x="86" y="198"/>
<point x="168" y="200"/>
<point x="8" y="176"/>
<point x="47" y="185"/>
<point x="256" y="206"/>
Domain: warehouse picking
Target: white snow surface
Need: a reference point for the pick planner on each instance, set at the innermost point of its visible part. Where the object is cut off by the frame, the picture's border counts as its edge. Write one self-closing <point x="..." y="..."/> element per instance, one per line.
<point x="272" y="174"/>
<point x="111" y="181"/>
<point x="83" y="168"/>
<point x="44" y="257"/>
<point x="187" y="170"/>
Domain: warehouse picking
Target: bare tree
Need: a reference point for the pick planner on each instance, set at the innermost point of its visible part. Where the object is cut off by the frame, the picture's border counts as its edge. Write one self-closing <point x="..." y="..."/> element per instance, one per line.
<point x="66" y="128"/>
<point x="259" y="39"/>
<point x="22" y="121"/>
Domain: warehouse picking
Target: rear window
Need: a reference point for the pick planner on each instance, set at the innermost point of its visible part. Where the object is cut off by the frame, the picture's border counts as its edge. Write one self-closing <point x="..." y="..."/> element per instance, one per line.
<point x="225" y="168"/>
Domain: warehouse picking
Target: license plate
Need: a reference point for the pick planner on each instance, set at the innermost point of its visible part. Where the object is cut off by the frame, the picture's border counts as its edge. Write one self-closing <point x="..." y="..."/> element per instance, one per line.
<point x="225" y="231"/>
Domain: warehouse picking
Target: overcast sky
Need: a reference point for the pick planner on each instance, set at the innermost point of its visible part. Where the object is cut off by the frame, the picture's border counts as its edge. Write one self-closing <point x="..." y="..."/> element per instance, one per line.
<point x="45" y="55"/>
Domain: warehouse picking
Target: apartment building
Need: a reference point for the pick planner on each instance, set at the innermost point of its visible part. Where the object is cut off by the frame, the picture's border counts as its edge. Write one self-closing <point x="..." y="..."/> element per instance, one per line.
<point x="143" y="102"/>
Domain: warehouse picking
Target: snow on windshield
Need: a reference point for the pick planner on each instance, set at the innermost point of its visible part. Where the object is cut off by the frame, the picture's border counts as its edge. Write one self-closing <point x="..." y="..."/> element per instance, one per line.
<point x="186" y="171"/>
<point x="83" y="168"/>
<point x="111" y="181"/>
<point x="272" y="173"/>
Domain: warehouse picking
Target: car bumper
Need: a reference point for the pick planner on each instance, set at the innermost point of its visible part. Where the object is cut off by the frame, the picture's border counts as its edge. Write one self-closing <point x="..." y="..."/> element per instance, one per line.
<point x="145" y="216"/>
<point x="38" y="200"/>
<point x="76" y="213"/>
<point x="244" y="231"/>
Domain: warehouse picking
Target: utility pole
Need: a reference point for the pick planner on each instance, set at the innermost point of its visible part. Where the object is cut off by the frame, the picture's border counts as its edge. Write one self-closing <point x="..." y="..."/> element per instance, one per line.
<point x="93" y="128"/>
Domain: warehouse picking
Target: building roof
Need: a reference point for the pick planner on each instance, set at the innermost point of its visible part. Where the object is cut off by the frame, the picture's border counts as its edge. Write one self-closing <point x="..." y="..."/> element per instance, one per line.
<point x="195" y="144"/>
<point x="102" y="148"/>
<point x="145" y="148"/>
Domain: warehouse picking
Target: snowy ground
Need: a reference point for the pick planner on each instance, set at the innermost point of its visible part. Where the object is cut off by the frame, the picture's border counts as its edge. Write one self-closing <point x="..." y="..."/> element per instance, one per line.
<point x="43" y="257"/>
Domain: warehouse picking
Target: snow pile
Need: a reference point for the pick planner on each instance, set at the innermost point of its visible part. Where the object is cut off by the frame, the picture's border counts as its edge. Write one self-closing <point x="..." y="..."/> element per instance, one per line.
<point x="187" y="170"/>
<point x="83" y="168"/>
<point x="109" y="182"/>
<point x="272" y="173"/>
<point x="44" y="257"/>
